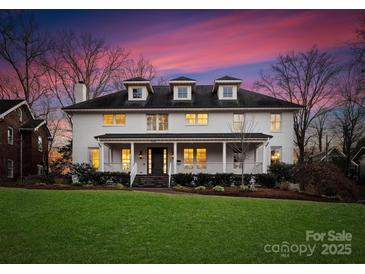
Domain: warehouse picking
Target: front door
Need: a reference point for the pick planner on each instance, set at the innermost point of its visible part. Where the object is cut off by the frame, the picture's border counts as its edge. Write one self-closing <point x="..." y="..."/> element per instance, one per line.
<point x="158" y="160"/>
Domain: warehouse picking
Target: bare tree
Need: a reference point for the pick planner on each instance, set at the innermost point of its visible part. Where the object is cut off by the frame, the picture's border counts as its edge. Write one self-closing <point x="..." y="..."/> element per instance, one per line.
<point x="241" y="130"/>
<point x="321" y="127"/>
<point x="140" y="67"/>
<point x="22" y="46"/>
<point x="304" y="78"/>
<point x="75" y="58"/>
<point x="350" y="114"/>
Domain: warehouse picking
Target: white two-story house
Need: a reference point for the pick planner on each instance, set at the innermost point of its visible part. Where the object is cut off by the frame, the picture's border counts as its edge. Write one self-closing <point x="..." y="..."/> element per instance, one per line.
<point x="182" y="127"/>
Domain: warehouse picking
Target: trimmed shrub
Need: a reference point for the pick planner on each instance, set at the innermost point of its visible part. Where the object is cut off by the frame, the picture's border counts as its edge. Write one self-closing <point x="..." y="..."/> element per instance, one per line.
<point x="247" y="188"/>
<point x="223" y="179"/>
<point x="88" y="175"/>
<point x="183" y="179"/>
<point x="266" y="180"/>
<point x="180" y="187"/>
<point x="325" y="179"/>
<point x="204" y="179"/>
<point x="218" y="188"/>
<point x="281" y="172"/>
<point x="200" y="188"/>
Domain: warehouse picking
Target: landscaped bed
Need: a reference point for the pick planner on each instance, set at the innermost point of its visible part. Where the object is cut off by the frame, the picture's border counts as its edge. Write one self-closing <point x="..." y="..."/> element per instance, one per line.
<point x="45" y="226"/>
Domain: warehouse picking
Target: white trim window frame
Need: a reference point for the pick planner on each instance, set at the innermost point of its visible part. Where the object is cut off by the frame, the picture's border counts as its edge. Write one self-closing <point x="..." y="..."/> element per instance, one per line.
<point x="182" y="92"/>
<point x="227" y="92"/>
<point x="117" y="117"/>
<point x="157" y="122"/>
<point x="10" y="168"/>
<point x="40" y="170"/>
<point x="275" y="122"/>
<point x="137" y="93"/>
<point x="238" y="122"/>
<point x="196" y="119"/>
<point x="276" y="154"/>
<point x="40" y="144"/>
<point x="10" y="135"/>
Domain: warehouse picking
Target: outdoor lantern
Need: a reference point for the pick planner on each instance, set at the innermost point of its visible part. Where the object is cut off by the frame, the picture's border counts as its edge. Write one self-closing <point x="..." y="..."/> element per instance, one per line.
<point x="140" y="155"/>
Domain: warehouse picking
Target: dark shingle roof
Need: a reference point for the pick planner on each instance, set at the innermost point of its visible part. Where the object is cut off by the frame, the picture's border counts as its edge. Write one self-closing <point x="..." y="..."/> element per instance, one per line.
<point x="182" y="78"/>
<point x="136" y="79"/>
<point x="202" y="98"/>
<point x="5" y="105"/>
<point x="227" y="77"/>
<point x="183" y="135"/>
<point x="31" y="124"/>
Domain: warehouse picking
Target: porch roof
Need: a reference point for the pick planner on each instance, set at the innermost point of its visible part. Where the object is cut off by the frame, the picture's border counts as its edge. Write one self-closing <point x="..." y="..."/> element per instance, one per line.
<point x="250" y="137"/>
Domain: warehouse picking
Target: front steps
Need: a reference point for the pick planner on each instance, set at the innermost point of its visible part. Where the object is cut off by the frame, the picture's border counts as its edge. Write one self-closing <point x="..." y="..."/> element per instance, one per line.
<point x="151" y="181"/>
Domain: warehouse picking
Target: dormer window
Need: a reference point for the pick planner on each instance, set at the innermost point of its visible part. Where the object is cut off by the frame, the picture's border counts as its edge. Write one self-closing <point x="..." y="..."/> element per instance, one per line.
<point x="227" y="92"/>
<point x="137" y="93"/>
<point x="226" y="87"/>
<point x="182" y="92"/>
<point x="182" y="88"/>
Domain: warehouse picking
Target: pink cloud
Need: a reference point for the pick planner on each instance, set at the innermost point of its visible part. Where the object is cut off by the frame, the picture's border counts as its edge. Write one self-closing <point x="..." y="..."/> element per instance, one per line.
<point x="244" y="38"/>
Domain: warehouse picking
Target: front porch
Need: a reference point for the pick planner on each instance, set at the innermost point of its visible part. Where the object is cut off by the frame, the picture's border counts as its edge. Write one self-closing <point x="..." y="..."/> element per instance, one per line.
<point x="159" y="154"/>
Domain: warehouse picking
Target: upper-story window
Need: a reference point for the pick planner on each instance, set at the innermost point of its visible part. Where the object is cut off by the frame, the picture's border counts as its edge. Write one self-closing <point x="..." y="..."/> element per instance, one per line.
<point x="157" y="122"/>
<point x="238" y="122"/>
<point x="275" y="122"/>
<point x="196" y="118"/>
<point x="137" y="93"/>
<point x="182" y="92"/>
<point x="227" y="92"/>
<point x="114" y="119"/>
<point x="10" y="136"/>
<point x="40" y="144"/>
<point x="20" y="115"/>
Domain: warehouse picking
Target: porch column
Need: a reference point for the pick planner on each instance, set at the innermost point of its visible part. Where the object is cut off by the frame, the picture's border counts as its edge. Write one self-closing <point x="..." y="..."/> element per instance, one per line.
<point x="264" y="157"/>
<point x="102" y="166"/>
<point x="132" y="155"/>
<point x="224" y="157"/>
<point x="175" y="157"/>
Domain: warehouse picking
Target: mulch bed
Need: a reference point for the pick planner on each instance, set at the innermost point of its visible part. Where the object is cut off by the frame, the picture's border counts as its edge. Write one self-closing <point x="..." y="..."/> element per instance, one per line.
<point x="261" y="192"/>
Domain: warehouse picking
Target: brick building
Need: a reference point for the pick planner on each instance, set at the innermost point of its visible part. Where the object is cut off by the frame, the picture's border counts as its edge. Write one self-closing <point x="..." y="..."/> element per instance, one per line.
<point x="23" y="141"/>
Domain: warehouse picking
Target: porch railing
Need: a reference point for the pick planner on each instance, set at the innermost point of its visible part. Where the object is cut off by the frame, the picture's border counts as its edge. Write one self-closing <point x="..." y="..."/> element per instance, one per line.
<point x="133" y="174"/>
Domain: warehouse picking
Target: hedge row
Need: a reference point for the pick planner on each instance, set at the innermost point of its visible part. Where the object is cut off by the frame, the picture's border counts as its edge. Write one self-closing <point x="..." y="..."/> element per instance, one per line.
<point x="222" y="179"/>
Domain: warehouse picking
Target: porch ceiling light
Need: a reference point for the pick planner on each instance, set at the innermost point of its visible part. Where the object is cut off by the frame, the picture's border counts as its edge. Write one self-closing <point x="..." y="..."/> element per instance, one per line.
<point x="140" y="155"/>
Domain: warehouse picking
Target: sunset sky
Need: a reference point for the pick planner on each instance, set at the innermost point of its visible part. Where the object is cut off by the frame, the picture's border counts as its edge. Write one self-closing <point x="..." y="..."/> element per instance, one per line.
<point x="206" y="44"/>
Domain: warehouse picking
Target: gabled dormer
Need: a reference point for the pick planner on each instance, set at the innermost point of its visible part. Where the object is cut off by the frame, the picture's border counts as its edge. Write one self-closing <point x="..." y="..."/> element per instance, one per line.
<point x="138" y="88"/>
<point x="226" y="87"/>
<point x="182" y="88"/>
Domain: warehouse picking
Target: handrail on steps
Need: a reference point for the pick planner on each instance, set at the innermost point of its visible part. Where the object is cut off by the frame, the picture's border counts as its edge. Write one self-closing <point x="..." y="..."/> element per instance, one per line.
<point x="170" y="171"/>
<point x="133" y="174"/>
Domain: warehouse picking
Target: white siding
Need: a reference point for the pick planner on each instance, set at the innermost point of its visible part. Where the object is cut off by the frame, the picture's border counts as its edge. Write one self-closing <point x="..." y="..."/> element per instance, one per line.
<point x="88" y="125"/>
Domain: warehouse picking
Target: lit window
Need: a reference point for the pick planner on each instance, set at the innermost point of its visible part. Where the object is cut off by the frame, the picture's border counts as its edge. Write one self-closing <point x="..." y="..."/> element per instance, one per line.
<point x="10" y="136"/>
<point x="40" y="144"/>
<point x="108" y="119"/>
<point x="275" y="155"/>
<point x="190" y="118"/>
<point x="137" y="93"/>
<point x="10" y="168"/>
<point x="149" y="161"/>
<point x="227" y="92"/>
<point x="120" y="119"/>
<point x="202" y="118"/>
<point x="164" y="160"/>
<point x="182" y="92"/>
<point x="238" y="122"/>
<point x="94" y="157"/>
<point x="40" y="170"/>
<point x="275" y="122"/>
<point x="126" y="159"/>
<point x="157" y="122"/>
<point x="201" y="158"/>
<point x="188" y="158"/>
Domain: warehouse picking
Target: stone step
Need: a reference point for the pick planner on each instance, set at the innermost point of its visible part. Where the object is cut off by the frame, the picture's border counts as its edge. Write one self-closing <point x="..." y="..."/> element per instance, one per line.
<point x="151" y="181"/>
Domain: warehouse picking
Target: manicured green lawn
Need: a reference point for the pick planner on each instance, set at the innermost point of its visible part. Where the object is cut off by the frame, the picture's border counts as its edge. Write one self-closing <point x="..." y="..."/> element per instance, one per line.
<point x="44" y="226"/>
